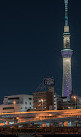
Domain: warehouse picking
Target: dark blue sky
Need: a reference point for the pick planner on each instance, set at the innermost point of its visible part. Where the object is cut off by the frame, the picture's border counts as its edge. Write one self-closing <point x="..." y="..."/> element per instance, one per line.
<point x="30" y="44"/>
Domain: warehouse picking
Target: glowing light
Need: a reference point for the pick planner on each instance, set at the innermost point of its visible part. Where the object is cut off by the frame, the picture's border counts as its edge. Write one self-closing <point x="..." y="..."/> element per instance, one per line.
<point x="67" y="60"/>
<point x="42" y="100"/>
<point x="14" y="102"/>
<point x="74" y="97"/>
<point x="66" y="28"/>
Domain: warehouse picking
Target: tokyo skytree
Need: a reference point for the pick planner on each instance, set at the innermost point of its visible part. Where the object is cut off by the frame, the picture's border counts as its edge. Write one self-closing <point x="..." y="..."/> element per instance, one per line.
<point x="66" y="55"/>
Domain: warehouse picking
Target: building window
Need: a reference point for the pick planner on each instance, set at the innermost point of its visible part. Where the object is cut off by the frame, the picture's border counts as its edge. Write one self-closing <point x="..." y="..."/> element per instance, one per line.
<point x="25" y="107"/>
<point x="25" y="102"/>
<point x="8" y="108"/>
<point x="13" y="98"/>
<point x="30" y="103"/>
<point x="30" y="98"/>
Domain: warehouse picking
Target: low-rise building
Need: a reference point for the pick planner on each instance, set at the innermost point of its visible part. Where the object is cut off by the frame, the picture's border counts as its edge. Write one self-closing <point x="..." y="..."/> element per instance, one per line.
<point x="17" y="103"/>
<point x="43" y="100"/>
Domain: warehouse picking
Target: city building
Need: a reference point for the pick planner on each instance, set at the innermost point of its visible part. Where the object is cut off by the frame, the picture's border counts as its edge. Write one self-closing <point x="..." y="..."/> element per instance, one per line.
<point x="77" y="102"/>
<point x="43" y="99"/>
<point x="66" y="54"/>
<point x="74" y="102"/>
<point x="61" y="103"/>
<point x="57" y="102"/>
<point x="17" y="103"/>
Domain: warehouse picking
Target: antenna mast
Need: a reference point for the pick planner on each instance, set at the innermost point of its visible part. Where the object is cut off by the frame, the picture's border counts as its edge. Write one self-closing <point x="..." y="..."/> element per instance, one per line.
<point x="66" y="12"/>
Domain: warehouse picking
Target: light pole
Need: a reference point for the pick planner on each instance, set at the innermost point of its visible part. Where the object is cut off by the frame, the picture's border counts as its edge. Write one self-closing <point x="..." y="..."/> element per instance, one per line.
<point x="75" y="101"/>
<point x="42" y="103"/>
<point x="14" y="102"/>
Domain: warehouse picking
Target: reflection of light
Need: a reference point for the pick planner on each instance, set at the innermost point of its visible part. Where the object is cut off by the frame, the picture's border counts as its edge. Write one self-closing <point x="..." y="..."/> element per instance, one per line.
<point x="50" y="114"/>
<point x="39" y="105"/>
<point x="2" y="124"/>
<point x="18" y="118"/>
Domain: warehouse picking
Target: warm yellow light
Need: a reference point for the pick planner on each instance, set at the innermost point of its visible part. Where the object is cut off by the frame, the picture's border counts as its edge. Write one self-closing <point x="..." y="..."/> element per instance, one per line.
<point x="42" y="100"/>
<point x="14" y="102"/>
<point x="17" y="118"/>
<point x="74" y="97"/>
<point x="39" y="104"/>
<point x="50" y="114"/>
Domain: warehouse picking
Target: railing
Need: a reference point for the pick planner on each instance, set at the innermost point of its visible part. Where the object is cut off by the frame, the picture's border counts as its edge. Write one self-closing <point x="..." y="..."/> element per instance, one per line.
<point x="42" y="130"/>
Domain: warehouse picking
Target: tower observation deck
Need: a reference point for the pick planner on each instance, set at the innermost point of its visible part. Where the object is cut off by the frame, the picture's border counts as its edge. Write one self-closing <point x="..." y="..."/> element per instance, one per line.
<point x="66" y="55"/>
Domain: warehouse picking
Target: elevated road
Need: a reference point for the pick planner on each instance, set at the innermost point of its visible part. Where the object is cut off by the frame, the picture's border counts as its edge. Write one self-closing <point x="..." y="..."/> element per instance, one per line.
<point x="41" y="116"/>
<point x="50" y="113"/>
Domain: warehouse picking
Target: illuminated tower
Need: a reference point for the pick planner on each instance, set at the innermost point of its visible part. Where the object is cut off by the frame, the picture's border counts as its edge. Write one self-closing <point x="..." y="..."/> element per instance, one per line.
<point x="66" y="54"/>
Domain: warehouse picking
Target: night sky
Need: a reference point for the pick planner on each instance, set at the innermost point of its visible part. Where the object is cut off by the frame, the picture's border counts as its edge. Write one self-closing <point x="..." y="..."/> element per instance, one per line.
<point x="31" y="42"/>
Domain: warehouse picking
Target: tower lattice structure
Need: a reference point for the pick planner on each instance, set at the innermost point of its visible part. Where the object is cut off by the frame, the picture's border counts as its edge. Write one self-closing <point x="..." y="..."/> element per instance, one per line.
<point x="66" y="55"/>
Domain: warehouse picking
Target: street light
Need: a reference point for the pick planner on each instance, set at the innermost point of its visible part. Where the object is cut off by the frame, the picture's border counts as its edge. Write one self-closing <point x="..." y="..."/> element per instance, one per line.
<point x="42" y="103"/>
<point x="14" y="102"/>
<point x="75" y="101"/>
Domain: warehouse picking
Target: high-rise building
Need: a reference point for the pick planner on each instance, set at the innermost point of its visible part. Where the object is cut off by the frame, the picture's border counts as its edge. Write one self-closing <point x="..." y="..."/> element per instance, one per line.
<point x="66" y="54"/>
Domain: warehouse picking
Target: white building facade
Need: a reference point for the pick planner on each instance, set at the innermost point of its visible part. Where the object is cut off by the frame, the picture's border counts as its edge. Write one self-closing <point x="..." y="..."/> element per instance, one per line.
<point x="17" y="103"/>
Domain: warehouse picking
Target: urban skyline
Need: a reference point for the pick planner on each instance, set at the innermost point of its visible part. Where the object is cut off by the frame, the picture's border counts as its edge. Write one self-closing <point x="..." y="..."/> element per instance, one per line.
<point x="34" y="64"/>
<point x="31" y="40"/>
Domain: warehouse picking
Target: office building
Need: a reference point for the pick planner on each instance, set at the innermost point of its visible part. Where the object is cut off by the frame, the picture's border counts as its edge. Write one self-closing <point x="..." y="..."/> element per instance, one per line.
<point x="17" y="103"/>
<point x="43" y="99"/>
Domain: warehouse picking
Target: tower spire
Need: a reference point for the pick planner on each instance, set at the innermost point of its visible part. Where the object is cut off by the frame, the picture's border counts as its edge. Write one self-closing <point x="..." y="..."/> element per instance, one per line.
<point x="66" y="54"/>
<point x="66" y="12"/>
<point x="66" y="34"/>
